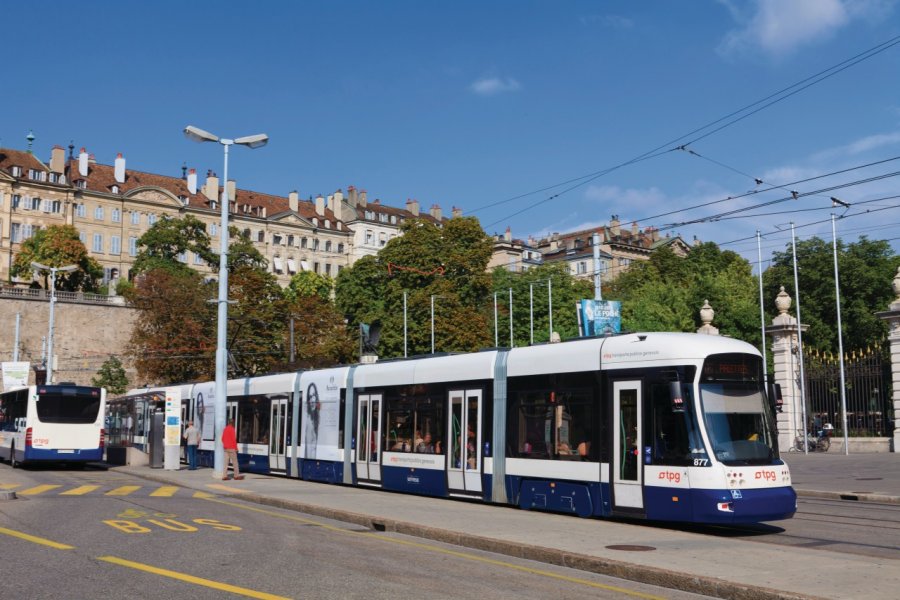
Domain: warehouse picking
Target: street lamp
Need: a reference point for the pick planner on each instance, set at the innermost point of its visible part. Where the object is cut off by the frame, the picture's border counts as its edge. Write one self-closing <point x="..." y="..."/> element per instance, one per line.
<point x="251" y="141"/>
<point x="67" y="269"/>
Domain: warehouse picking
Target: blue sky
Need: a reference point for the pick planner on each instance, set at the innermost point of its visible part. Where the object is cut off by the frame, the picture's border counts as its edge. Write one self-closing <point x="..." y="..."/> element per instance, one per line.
<point x="471" y="104"/>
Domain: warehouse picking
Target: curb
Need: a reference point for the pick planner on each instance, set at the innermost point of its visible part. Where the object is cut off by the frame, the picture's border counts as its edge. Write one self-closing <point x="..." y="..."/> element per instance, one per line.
<point x="685" y="582"/>
<point x="852" y="496"/>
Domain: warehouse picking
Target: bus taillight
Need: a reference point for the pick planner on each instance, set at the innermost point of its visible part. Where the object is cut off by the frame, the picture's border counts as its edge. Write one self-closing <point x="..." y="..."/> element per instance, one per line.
<point x="28" y="434"/>
<point x="102" y="438"/>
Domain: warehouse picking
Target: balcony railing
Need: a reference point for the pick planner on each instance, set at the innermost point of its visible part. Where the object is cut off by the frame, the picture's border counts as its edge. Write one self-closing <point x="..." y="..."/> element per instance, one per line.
<point x="61" y="296"/>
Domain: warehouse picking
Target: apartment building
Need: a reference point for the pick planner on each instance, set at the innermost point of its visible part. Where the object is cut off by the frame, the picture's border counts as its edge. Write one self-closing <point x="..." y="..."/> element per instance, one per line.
<point x="112" y="206"/>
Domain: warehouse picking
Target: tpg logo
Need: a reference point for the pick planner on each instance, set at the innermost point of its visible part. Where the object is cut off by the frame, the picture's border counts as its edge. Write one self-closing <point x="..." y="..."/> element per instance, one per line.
<point x="767" y="475"/>
<point x="670" y="476"/>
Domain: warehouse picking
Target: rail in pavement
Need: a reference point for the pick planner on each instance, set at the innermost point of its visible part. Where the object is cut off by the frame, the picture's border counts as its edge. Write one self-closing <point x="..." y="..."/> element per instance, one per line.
<point x="714" y="566"/>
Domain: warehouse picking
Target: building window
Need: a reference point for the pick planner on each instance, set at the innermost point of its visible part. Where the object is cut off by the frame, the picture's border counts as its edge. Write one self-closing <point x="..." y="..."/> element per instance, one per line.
<point x="182" y="257"/>
<point x="328" y="246"/>
<point x="316" y="245"/>
<point x="393" y="219"/>
<point x="370" y="237"/>
<point x="370" y="215"/>
<point x="303" y="242"/>
<point x="28" y="230"/>
<point x="327" y="269"/>
<point x="290" y="240"/>
<point x="276" y="239"/>
<point x="56" y="207"/>
<point x="116" y="215"/>
<point x="213" y="229"/>
<point x="15" y="233"/>
<point x="98" y="213"/>
<point x="81" y="184"/>
<point x="198" y="260"/>
<point x="315" y="222"/>
<point x="135" y="217"/>
<point x="132" y="246"/>
<point x="16" y="200"/>
<point x="381" y="239"/>
<point x="16" y="171"/>
<point x="327" y="224"/>
<point x="98" y="243"/>
<point x="582" y="267"/>
<point x="261" y="236"/>
<point x="340" y="248"/>
<point x="316" y="267"/>
<point x="54" y="177"/>
<point x="80" y="210"/>
<point x="82" y="237"/>
<point x="151" y="220"/>
<point x="114" y="189"/>
<point x="115" y="245"/>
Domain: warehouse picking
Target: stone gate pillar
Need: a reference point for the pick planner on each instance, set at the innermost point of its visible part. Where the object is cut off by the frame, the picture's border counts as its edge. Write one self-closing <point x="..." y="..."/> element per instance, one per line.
<point x="892" y="317"/>
<point x="706" y="316"/>
<point x="786" y="370"/>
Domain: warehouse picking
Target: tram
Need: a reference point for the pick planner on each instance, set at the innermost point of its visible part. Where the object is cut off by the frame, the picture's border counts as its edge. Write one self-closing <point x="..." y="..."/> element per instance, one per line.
<point x="657" y="426"/>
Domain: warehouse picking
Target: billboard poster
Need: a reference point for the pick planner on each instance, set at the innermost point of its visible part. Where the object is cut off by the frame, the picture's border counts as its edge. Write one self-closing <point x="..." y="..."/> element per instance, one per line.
<point x="205" y="411"/>
<point x="600" y="317"/>
<point x="321" y="412"/>
<point x="15" y="375"/>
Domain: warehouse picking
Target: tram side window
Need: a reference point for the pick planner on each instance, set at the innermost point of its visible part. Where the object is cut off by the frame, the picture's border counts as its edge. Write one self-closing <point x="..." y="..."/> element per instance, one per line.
<point x="554" y="425"/>
<point x="253" y="420"/>
<point x="399" y="430"/>
<point x="429" y="427"/>
<point x="675" y="436"/>
<point x="414" y="426"/>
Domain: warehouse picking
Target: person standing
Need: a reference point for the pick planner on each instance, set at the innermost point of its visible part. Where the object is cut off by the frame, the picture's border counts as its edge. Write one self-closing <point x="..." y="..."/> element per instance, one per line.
<point x="192" y="438"/>
<point x="229" y="444"/>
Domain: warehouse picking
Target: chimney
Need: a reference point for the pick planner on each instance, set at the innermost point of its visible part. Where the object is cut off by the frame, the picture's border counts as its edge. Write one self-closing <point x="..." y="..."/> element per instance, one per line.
<point x="83" y="163"/>
<point x="435" y="212"/>
<point x="634" y="229"/>
<point x="211" y="189"/>
<point x="330" y="202"/>
<point x="457" y="212"/>
<point x="362" y="198"/>
<point x="338" y="209"/>
<point x="92" y="159"/>
<point x="531" y="241"/>
<point x="294" y="201"/>
<point x="413" y="207"/>
<point x="351" y="196"/>
<point x="231" y="186"/>
<point x="119" y="168"/>
<point x="320" y="205"/>
<point x="192" y="181"/>
<point x="614" y="225"/>
<point x="58" y="159"/>
<point x="508" y="235"/>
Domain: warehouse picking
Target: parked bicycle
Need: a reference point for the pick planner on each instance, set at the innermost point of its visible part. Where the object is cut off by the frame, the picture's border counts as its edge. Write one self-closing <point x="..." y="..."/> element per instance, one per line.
<point x="817" y="440"/>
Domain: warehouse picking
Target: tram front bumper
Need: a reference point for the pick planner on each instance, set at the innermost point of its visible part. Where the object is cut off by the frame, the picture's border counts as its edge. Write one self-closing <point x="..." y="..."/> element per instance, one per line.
<point x="744" y="506"/>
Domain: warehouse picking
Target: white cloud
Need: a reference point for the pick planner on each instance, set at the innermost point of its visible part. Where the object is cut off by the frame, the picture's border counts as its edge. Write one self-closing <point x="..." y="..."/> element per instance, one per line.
<point x="491" y="86"/>
<point x="628" y="201"/>
<point x="856" y="147"/>
<point x="778" y="27"/>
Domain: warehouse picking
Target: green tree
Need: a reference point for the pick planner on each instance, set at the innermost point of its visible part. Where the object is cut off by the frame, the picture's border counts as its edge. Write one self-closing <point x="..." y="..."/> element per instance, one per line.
<point x="448" y="262"/>
<point x="59" y="246"/>
<point x="112" y="377"/>
<point x="307" y="283"/>
<point x="321" y="337"/>
<point x="256" y="321"/>
<point x="174" y="336"/>
<point x="170" y="238"/>
<point x="866" y="268"/>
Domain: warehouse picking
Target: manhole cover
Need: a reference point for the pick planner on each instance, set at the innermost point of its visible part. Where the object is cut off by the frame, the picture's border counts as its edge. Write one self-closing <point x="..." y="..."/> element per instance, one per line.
<point x="868" y="478"/>
<point x="631" y="548"/>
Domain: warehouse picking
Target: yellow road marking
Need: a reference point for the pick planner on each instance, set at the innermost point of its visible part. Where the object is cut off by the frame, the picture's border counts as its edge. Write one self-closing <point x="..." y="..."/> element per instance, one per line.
<point x="191" y="579"/>
<point x="166" y="491"/>
<point x="203" y="495"/>
<point x="123" y="491"/>
<point x="431" y="548"/>
<point x="35" y="539"/>
<point x="9" y="486"/>
<point x="40" y="489"/>
<point x="227" y="488"/>
<point x="80" y="491"/>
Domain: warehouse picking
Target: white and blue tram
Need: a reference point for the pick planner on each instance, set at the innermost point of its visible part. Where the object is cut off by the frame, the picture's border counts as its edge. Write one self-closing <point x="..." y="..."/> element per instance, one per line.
<point x="662" y="426"/>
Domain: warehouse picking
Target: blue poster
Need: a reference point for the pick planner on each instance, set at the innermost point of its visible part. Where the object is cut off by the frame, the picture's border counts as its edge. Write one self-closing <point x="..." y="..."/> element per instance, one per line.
<point x="600" y="317"/>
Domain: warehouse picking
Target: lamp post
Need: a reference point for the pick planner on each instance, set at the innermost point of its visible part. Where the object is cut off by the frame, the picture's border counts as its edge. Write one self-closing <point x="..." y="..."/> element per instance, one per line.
<point x="53" y="270"/>
<point x="251" y="141"/>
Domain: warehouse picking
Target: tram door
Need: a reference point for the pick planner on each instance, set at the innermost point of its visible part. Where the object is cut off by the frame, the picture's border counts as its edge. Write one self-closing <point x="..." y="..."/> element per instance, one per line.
<point x="627" y="445"/>
<point x="464" y="442"/>
<point x="368" y="438"/>
<point x="278" y="433"/>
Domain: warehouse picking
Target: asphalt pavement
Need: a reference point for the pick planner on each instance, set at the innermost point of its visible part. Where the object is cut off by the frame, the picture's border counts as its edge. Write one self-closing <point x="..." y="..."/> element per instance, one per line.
<point x="713" y="565"/>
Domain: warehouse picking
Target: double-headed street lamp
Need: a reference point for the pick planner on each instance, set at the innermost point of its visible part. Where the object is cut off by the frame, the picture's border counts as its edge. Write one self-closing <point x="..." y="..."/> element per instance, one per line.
<point x="251" y="141"/>
<point x="53" y="270"/>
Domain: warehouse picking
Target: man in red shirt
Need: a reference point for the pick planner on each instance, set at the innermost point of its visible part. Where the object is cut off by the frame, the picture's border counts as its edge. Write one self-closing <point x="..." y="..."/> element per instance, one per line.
<point x="229" y="444"/>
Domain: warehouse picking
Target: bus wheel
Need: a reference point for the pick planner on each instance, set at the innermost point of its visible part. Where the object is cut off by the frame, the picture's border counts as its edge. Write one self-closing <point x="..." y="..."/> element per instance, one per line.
<point x="12" y="457"/>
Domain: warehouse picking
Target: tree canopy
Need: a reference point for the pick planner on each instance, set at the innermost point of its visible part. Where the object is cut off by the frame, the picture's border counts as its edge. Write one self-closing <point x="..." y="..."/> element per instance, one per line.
<point x="111" y="376"/>
<point x="166" y="243"/>
<point x="59" y="246"/>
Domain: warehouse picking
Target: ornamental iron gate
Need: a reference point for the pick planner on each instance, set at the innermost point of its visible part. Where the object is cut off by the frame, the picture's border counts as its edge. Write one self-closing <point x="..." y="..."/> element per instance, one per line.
<point x="867" y="377"/>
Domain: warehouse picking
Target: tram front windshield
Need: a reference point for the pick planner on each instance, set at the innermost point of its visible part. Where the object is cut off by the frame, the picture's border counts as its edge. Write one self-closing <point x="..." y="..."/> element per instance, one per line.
<point x="738" y="422"/>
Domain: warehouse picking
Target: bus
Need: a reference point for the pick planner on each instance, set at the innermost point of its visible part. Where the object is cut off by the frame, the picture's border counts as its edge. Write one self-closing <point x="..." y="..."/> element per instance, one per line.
<point x="656" y="426"/>
<point x="61" y="423"/>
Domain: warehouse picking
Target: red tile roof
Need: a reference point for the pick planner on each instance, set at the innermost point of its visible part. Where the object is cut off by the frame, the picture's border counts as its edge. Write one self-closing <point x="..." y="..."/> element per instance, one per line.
<point x="18" y="158"/>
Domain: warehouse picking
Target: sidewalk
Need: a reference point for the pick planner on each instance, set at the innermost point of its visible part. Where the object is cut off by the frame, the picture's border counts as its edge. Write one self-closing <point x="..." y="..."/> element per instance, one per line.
<point x="714" y="566"/>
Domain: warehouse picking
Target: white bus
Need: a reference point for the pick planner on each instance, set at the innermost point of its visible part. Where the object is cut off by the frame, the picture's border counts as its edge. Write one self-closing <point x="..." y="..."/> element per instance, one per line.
<point x="52" y="423"/>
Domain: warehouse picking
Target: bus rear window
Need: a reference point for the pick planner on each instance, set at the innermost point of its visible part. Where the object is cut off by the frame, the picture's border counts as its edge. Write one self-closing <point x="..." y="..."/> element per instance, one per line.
<point x="58" y="408"/>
